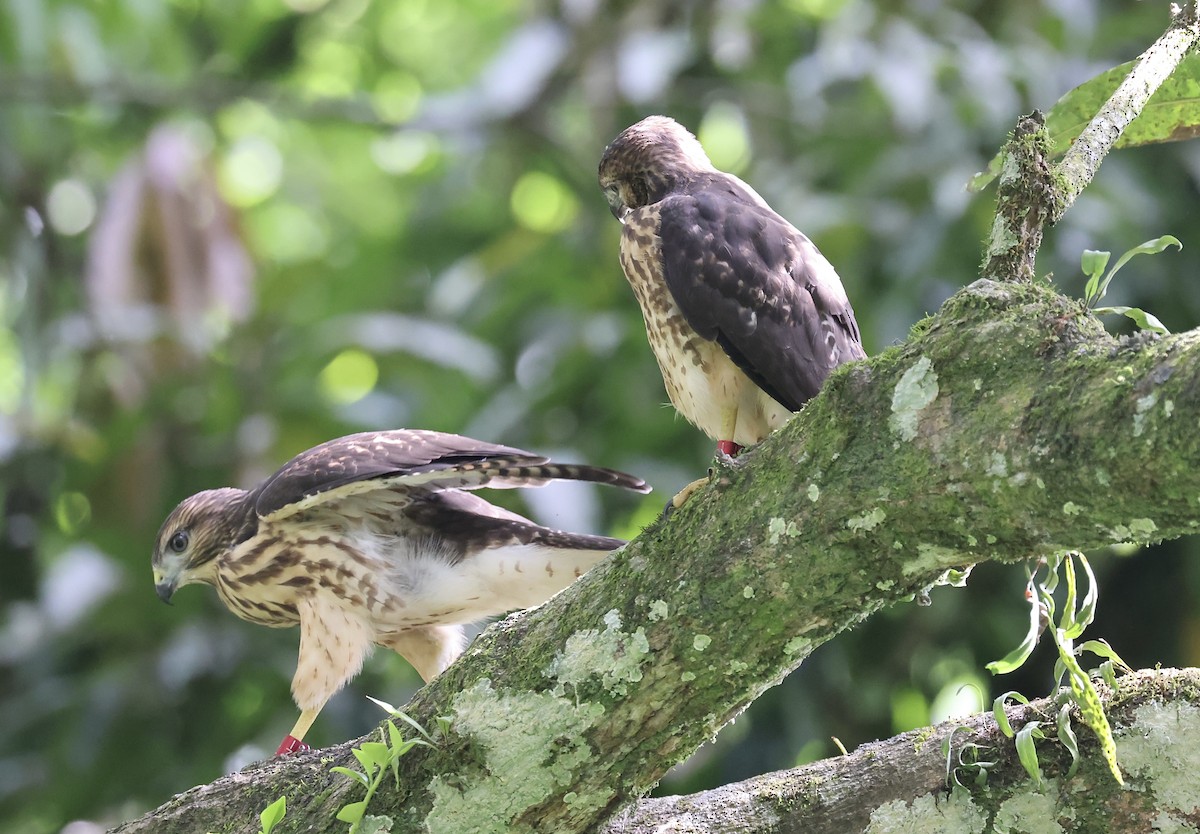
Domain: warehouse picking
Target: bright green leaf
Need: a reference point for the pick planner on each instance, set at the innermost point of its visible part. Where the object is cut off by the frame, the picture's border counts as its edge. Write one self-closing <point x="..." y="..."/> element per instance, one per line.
<point x="1000" y="715"/>
<point x="377" y="753"/>
<point x="1103" y="649"/>
<point x="352" y="813"/>
<point x="1027" y="750"/>
<point x="272" y="814"/>
<point x="353" y="774"/>
<point x="1144" y="320"/>
<point x="1093" y="262"/>
<point x="1066" y="736"/>
<point x="1017" y="657"/>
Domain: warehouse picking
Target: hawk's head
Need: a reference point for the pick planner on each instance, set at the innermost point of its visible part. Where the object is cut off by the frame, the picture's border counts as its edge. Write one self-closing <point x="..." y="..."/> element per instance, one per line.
<point x="647" y="161"/>
<point x="194" y="534"/>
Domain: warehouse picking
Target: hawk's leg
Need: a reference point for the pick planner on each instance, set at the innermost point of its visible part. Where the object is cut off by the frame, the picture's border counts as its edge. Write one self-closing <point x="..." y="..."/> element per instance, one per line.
<point x="727" y="450"/>
<point x="333" y="645"/>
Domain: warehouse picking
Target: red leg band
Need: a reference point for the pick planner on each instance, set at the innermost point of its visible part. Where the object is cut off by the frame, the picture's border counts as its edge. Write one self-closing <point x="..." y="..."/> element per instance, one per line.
<point x="728" y="447"/>
<point x="291" y="744"/>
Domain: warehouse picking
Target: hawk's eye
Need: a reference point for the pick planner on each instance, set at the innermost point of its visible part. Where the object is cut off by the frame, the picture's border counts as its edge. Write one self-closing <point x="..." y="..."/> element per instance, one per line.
<point x="178" y="542"/>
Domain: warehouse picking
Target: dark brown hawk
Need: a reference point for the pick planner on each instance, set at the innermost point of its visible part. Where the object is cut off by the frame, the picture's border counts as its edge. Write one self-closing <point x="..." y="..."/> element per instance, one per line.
<point x="743" y="313"/>
<point x="371" y="539"/>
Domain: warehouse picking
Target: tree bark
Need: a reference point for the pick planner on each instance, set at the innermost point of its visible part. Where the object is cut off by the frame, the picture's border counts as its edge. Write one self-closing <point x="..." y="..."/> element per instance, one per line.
<point x="903" y="784"/>
<point x="1009" y="425"/>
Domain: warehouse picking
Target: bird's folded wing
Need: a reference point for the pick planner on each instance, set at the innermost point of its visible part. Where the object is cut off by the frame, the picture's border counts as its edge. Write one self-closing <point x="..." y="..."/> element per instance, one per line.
<point x="412" y="460"/>
<point x="746" y="278"/>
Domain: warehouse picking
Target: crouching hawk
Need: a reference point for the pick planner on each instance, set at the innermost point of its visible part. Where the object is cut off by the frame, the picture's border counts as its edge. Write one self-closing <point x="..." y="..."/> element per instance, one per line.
<point x="372" y="539"/>
<point x="745" y="316"/>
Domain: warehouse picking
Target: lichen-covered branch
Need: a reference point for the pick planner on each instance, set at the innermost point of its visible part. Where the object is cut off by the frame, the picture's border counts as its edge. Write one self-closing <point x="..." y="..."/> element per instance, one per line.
<point x="1010" y="425"/>
<point x="1153" y="67"/>
<point x="1033" y="194"/>
<point x="900" y="785"/>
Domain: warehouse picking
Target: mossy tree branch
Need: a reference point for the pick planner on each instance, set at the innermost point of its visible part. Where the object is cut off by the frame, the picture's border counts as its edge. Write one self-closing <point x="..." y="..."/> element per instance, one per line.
<point x="1011" y="425"/>
<point x="901" y="784"/>
<point x="1007" y="426"/>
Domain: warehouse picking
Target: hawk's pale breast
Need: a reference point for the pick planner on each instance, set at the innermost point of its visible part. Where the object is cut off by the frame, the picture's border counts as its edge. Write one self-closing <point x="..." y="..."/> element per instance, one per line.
<point x="700" y="378"/>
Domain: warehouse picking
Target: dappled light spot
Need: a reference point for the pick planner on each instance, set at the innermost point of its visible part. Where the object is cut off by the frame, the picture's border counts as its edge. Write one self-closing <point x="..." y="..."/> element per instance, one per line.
<point x="349" y="377"/>
<point x="250" y="171"/>
<point x="396" y="97"/>
<point x="723" y="134"/>
<point x="404" y="152"/>
<point x="542" y="203"/>
<point x="70" y="207"/>
<point x="72" y="512"/>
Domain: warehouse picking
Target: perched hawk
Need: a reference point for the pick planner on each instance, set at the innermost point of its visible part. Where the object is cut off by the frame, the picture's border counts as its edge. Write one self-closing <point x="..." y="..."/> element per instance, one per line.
<point x="371" y="539"/>
<point x="746" y="318"/>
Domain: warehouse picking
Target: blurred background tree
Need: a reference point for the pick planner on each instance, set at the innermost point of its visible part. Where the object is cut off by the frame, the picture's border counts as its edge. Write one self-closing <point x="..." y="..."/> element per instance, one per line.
<point x="231" y="231"/>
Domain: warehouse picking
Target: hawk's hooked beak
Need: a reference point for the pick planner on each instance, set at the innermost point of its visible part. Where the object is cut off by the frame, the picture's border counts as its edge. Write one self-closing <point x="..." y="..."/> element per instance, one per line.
<point x="615" y="204"/>
<point x="165" y="588"/>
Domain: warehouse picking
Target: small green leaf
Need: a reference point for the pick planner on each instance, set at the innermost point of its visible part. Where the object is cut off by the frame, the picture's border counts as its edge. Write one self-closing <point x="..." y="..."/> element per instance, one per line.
<point x="383" y="705"/>
<point x="1087" y="608"/>
<point x="1067" y="621"/>
<point x="1144" y="320"/>
<point x="1107" y="673"/>
<point x="412" y="723"/>
<point x="1027" y="750"/>
<point x="377" y="753"/>
<point x="352" y="813"/>
<point x="272" y="814"/>
<point x="1066" y="735"/>
<point x="1093" y="262"/>
<point x="353" y="774"/>
<point x="1000" y="715"/>
<point x="1101" y="648"/>
<point x="1017" y="657"/>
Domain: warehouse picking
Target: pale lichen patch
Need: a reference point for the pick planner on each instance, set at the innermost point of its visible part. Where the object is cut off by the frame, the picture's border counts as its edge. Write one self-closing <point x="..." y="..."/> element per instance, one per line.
<point x="797" y="645"/>
<point x="1138" y="528"/>
<point x="932" y="557"/>
<point x="997" y="465"/>
<point x="659" y="610"/>
<point x="777" y="528"/>
<point x="1071" y="508"/>
<point x="927" y="815"/>
<point x="687" y="677"/>
<point x="1031" y="812"/>
<point x="613" y="655"/>
<point x="867" y="521"/>
<point x="513" y="731"/>
<point x="1140" y="410"/>
<point x="917" y="388"/>
<point x="748" y="592"/>
<point x="1161" y="748"/>
<point x="701" y="642"/>
<point x="814" y="492"/>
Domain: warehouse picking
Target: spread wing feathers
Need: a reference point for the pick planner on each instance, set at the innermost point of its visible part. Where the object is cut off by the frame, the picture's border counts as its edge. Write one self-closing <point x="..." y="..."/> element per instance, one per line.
<point x="746" y="278"/>
<point x="412" y="460"/>
<point x="477" y="525"/>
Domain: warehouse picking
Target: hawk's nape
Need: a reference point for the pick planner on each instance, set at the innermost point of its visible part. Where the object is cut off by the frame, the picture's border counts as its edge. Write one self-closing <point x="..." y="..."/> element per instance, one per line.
<point x="744" y="314"/>
<point x="371" y="539"/>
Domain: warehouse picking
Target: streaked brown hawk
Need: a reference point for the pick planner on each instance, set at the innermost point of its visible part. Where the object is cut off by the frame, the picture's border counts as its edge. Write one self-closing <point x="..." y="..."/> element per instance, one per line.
<point x="745" y="316"/>
<point x="373" y="539"/>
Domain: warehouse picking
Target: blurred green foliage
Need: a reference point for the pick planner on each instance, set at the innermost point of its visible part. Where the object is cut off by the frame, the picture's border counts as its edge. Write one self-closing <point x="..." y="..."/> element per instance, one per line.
<point x="231" y="231"/>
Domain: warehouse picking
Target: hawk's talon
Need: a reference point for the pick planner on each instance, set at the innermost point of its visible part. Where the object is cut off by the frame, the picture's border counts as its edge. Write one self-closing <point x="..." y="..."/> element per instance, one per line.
<point x="290" y="745"/>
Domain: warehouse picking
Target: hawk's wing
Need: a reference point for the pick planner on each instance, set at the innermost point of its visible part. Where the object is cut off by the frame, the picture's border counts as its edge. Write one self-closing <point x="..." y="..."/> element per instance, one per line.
<point x="411" y="460"/>
<point x="746" y="278"/>
<point x="476" y="524"/>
